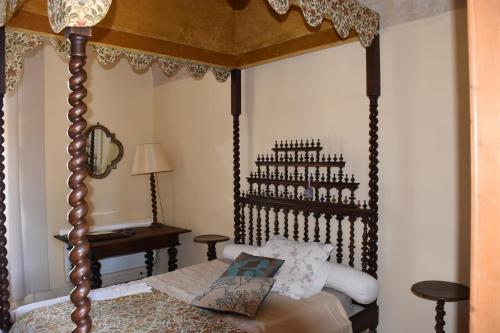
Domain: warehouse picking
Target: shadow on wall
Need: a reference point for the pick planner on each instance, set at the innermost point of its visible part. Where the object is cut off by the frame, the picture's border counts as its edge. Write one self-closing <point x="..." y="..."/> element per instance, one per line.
<point x="463" y="161"/>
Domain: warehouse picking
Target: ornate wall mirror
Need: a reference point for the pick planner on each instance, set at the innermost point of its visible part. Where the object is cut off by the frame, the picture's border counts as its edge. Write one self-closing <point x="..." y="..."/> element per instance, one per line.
<point x="104" y="151"/>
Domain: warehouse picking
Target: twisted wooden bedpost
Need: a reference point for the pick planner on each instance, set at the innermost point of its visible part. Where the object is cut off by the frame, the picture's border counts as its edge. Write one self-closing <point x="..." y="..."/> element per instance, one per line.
<point x="80" y="273"/>
<point x="4" y="272"/>
<point x="236" y="112"/>
<point x="373" y="92"/>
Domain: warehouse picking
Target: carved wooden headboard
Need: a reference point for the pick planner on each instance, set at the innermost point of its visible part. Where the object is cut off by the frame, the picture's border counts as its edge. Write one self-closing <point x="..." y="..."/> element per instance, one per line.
<point x="297" y="190"/>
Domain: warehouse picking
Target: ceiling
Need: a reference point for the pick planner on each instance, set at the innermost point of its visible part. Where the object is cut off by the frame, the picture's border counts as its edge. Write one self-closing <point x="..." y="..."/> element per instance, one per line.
<point x="232" y="33"/>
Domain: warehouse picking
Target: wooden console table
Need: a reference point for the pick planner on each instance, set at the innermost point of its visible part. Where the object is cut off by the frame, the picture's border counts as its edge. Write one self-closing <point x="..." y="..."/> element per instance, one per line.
<point x="141" y="239"/>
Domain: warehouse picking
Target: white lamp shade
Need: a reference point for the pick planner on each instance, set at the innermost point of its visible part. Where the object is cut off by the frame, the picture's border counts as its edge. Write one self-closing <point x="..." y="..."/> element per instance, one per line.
<point x="150" y="158"/>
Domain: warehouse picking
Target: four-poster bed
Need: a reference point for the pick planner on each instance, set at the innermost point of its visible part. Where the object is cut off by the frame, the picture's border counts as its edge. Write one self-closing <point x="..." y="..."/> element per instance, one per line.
<point x="76" y="19"/>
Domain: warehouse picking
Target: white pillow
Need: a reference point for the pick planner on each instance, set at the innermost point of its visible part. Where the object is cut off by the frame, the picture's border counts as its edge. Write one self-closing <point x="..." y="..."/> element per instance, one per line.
<point x="232" y="251"/>
<point x="361" y="287"/>
<point x="304" y="272"/>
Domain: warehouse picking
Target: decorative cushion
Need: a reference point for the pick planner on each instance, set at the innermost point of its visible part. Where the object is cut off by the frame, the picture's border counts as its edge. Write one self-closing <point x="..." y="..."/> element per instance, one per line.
<point x="361" y="287"/>
<point x="304" y="272"/>
<point x="252" y="266"/>
<point x="232" y="251"/>
<point x="235" y="294"/>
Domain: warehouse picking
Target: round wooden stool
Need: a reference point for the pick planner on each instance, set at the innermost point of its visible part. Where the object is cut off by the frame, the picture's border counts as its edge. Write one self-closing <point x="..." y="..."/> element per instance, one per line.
<point x="441" y="292"/>
<point x="211" y="240"/>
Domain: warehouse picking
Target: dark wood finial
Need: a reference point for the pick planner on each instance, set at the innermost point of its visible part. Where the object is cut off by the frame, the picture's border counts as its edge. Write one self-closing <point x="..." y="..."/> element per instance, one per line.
<point x="79" y="275"/>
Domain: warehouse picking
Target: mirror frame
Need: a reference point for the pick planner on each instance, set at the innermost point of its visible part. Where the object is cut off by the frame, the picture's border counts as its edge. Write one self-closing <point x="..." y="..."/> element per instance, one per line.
<point x="113" y="164"/>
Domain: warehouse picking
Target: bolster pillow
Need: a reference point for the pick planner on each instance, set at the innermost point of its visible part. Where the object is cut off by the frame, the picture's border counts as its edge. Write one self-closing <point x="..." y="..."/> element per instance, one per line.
<point x="359" y="286"/>
<point x="232" y="251"/>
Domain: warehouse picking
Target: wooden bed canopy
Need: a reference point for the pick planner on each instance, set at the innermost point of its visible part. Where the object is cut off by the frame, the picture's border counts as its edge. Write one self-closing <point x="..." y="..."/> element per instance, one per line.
<point x="223" y="36"/>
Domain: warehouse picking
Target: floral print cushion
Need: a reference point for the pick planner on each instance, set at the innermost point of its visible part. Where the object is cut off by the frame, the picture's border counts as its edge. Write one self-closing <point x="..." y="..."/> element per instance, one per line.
<point x="252" y="266"/>
<point x="303" y="274"/>
<point x="235" y="294"/>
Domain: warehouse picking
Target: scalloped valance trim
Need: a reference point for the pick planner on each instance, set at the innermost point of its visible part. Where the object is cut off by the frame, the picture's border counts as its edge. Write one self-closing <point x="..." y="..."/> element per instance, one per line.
<point x="345" y="15"/>
<point x="7" y="9"/>
<point x="19" y="43"/>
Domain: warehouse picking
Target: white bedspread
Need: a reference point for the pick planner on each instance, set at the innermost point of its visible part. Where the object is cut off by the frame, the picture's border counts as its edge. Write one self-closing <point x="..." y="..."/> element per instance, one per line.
<point x="111" y="292"/>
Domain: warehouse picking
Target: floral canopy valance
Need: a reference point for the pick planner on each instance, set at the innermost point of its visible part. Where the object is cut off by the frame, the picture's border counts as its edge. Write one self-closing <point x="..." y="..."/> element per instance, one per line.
<point x="19" y="43"/>
<point x="345" y="15"/>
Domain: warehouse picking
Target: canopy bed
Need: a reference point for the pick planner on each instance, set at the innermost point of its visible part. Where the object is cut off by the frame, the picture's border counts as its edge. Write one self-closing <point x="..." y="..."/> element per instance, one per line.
<point x="296" y="184"/>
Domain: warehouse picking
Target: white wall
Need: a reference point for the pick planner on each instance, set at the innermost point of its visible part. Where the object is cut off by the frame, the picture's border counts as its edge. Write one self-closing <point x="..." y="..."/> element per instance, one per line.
<point x="424" y="207"/>
<point x="120" y="100"/>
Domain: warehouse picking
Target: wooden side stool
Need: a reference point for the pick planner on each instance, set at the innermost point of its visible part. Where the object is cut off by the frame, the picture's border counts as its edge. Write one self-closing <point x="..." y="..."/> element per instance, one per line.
<point x="211" y="240"/>
<point x="441" y="292"/>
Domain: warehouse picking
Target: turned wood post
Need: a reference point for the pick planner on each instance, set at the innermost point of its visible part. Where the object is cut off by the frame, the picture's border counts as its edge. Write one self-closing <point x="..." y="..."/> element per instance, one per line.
<point x="373" y="92"/>
<point x="236" y="112"/>
<point x="154" y="207"/>
<point x="440" y="313"/>
<point x="4" y="272"/>
<point x="80" y="273"/>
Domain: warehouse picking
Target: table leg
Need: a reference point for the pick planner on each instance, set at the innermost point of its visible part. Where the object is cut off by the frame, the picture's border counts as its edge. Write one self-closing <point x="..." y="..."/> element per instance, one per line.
<point x="172" y="258"/>
<point x="211" y="253"/>
<point x="149" y="262"/>
<point x="95" y="267"/>
<point x="440" y="317"/>
<point x="69" y="247"/>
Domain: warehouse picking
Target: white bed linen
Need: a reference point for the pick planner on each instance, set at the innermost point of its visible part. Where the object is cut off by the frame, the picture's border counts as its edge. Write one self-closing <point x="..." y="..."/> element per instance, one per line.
<point x="116" y="291"/>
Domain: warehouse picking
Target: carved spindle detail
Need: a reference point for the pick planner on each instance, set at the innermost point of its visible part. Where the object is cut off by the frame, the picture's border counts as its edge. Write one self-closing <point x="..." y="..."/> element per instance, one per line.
<point x="316" y="227"/>
<point x="172" y="258"/>
<point x="4" y="272"/>
<point x="373" y="188"/>
<point x="150" y="260"/>
<point x="296" y="174"/>
<point x="295" y="225"/>
<point x="364" y="245"/>
<point x="250" y="225"/>
<point x="328" y="228"/>
<point x="352" y="246"/>
<point x="154" y="207"/>
<point x="79" y="275"/>
<point x="235" y="112"/>
<point x="285" y="231"/>
<point x="306" y="227"/>
<point x="440" y="313"/>
<point x="242" y="225"/>
<point x="276" y="221"/>
<point x="268" y="231"/>
<point x="259" y="225"/>
<point x="339" y="239"/>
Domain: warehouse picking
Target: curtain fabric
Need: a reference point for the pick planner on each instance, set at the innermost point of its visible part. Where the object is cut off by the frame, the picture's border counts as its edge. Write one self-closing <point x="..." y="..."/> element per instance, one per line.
<point x="27" y="236"/>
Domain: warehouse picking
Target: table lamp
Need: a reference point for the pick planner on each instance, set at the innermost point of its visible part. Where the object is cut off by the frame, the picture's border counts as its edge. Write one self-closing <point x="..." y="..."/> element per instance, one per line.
<point x="150" y="159"/>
